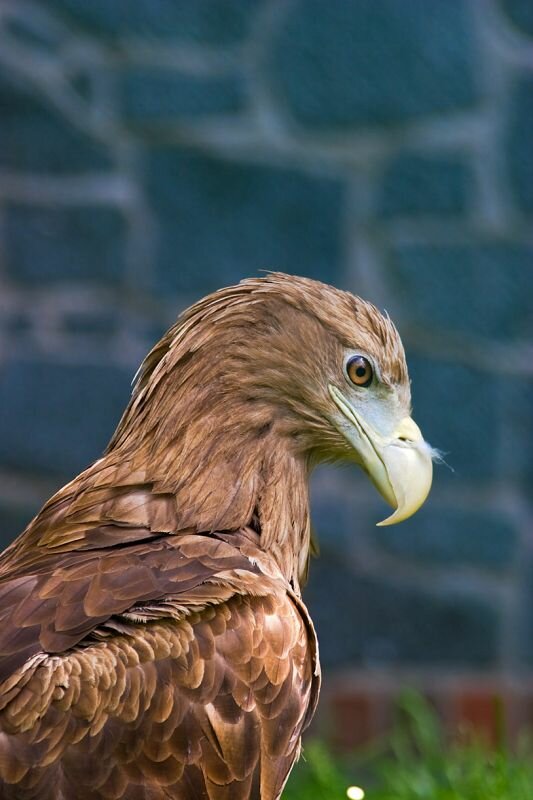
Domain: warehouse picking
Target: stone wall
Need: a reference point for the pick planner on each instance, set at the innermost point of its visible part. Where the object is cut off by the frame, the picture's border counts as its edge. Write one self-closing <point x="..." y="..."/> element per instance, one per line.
<point x="154" y="150"/>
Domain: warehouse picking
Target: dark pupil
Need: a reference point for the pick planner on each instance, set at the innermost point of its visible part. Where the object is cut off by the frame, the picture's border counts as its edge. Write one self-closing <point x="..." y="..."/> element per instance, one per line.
<point x="360" y="372"/>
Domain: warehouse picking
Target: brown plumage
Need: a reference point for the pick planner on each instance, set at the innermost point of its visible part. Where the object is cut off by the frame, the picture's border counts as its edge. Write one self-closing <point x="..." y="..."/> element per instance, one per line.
<point x="153" y="642"/>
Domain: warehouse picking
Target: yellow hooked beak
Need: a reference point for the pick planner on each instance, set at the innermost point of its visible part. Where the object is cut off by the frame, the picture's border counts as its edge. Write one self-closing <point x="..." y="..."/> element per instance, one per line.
<point x="400" y="466"/>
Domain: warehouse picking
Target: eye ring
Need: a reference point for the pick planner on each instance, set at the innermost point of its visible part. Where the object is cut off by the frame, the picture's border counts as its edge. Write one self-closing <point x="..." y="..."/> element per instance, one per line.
<point x="359" y="371"/>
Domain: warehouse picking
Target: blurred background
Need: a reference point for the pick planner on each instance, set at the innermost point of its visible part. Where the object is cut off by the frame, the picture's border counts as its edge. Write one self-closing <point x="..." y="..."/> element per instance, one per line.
<point x="152" y="151"/>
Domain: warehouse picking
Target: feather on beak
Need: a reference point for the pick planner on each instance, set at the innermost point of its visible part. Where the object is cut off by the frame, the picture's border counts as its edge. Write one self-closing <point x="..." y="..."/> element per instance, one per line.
<point x="400" y="466"/>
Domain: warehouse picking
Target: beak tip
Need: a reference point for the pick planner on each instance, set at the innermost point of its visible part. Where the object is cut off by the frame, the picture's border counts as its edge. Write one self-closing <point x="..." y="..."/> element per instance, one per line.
<point x="388" y="521"/>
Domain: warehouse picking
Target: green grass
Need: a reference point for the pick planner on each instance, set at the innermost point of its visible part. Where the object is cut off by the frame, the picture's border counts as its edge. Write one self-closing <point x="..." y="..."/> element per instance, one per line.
<point x="416" y="763"/>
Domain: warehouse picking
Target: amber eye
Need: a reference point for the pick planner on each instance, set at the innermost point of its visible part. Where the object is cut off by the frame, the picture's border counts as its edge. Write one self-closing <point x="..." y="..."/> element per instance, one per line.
<point x="360" y="371"/>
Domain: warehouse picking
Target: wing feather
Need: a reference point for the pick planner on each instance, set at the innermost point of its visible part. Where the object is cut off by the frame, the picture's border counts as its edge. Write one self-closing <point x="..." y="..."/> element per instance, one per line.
<point x="138" y="661"/>
<point x="154" y="724"/>
<point x="73" y="593"/>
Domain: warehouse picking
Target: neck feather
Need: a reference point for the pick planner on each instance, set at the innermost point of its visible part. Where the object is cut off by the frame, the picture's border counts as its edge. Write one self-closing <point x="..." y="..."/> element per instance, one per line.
<point x="227" y="475"/>
<point x="215" y="437"/>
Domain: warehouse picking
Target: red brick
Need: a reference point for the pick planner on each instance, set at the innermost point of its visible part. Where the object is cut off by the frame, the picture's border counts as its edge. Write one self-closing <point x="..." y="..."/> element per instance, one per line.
<point x="481" y="712"/>
<point x="353" y="719"/>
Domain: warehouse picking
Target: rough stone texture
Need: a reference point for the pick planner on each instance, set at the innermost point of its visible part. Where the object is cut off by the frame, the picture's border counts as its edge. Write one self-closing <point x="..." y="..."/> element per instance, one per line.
<point x="15" y="322"/>
<point x="153" y="151"/>
<point x="520" y="12"/>
<point x="337" y="514"/>
<point x="27" y="30"/>
<point x="519" y="152"/>
<point x="221" y="221"/>
<point x="162" y="95"/>
<point x="391" y="624"/>
<point x="420" y="185"/>
<point x="35" y="137"/>
<point x="441" y="286"/>
<point x="209" y="21"/>
<point x="65" y="244"/>
<point x="442" y="537"/>
<point x="12" y="522"/>
<point x="526" y="620"/>
<point x="458" y="410"/>
<point x="58" y="418"/>
<point x="92" y="323"/>
<point x="367" y="63"/>
<point x="517" y="455"/>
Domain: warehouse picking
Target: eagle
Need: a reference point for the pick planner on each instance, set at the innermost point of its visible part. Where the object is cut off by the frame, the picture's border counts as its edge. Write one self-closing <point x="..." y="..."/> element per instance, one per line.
<point x="153" y="639"/>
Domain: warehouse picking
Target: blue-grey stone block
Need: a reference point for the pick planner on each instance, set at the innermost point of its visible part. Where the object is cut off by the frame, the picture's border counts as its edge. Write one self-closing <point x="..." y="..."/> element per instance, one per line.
<point x="220" y="221"/>
<point x="370" y="622"/>
<point x="518" y="145"/>
<point x="13" y="520"/>
<point x="34" y="137"/>
<point x="450" y="537"/>
<point x="221" y="22"/>
<point x="158" y="95"/>
<point x="29" y="31"/>
<point x="83" y="84"/>
<point x="345" y="507"/>
<point x="337" y="522"/>
<point x="92" y="323"/>
<point x="482" y="290"/>
<point x="58" y="418"/>
<point x="422" y="185"/>
<point x="520" y="13"/>
<point x="15" y="323"/>
<point x="459" y="411"/>
<point x="64" y="243"/>
<point x="147" y="330"/>
<point x="346" y="63"/>
<point x="517" y="432"/>
<point x="524" y="619"/>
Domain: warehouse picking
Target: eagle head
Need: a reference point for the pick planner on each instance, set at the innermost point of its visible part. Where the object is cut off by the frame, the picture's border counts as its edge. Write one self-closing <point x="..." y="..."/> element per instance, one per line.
<point x="281" y="360"/>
